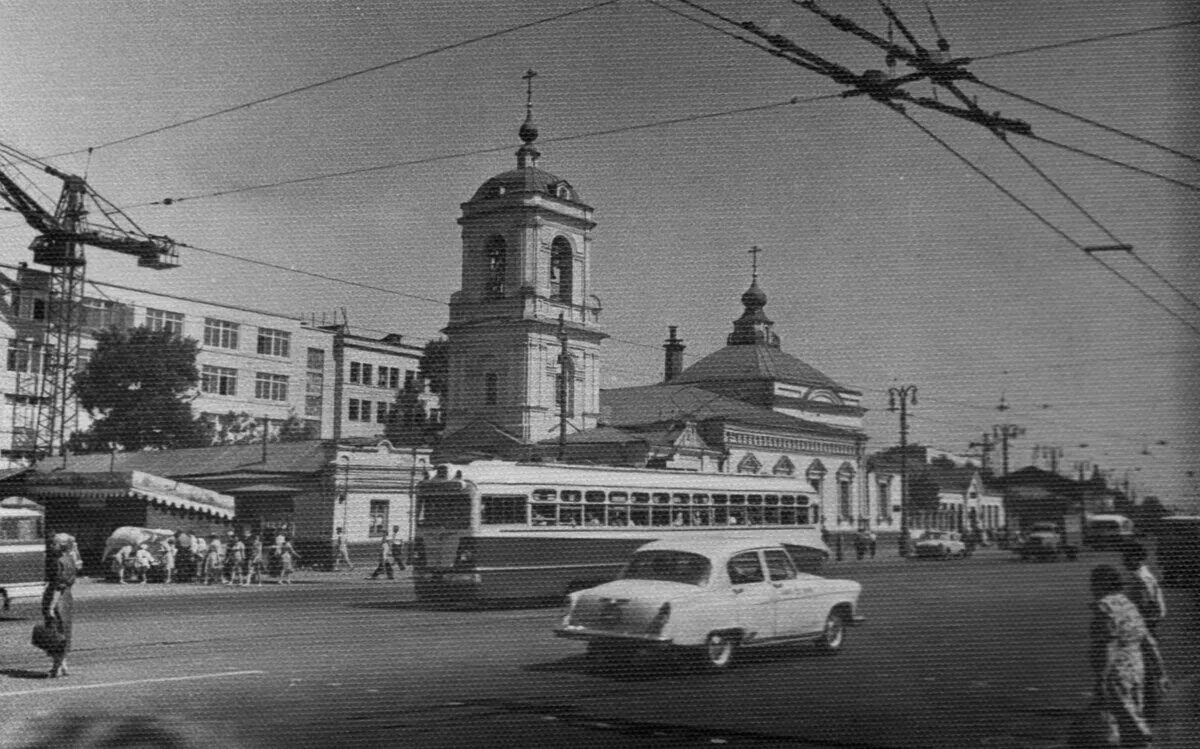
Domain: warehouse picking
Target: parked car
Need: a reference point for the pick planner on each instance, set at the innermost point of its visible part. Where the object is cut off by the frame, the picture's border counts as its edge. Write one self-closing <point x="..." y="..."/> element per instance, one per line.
<point x="940" y="545"/>
<point x="1045" y="543"/>
<point x="712" y="596"/>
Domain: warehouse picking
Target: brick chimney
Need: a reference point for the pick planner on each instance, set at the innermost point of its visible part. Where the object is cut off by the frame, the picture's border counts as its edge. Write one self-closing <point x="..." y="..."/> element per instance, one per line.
<point x="673" y="361"/>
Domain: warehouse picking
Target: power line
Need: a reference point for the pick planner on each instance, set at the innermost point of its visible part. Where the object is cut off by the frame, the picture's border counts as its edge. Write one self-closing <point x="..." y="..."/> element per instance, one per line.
<point x="1086" y="120"/>
<point x="1029" y="209"/>
<point x="337" y="79"/>
<point x="492" y="149"/>
<point x="1088" y="40"/>
<point x="1113" y="162"/>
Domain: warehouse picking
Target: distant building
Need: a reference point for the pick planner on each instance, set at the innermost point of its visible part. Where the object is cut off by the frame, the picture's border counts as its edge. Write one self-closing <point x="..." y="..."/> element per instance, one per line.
<point x="254" y="365"/>
<point x="968" y="498"/>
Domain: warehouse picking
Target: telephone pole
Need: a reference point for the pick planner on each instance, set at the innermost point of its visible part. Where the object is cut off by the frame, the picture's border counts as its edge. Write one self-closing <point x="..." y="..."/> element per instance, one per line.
<point x="902" y="395"/>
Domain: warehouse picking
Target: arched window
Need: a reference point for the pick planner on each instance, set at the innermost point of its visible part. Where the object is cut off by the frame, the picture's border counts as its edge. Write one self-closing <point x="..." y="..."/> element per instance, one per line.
<point x="784" y="467"/>
<point x="561" y="270"/>
<point x="845" y="478"/>
<point x="815" y="475"/>
<point x="749" y="464"/>
<point x="497" y="261"/>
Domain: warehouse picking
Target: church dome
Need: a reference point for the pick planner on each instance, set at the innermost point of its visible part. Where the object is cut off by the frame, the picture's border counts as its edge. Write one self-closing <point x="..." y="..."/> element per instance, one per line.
<point x="529" y="179"/>
<point x="757" y="362"/>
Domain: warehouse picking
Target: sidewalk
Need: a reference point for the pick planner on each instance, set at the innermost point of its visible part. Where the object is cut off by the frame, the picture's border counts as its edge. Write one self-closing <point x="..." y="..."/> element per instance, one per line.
<point x="93" y="588"/>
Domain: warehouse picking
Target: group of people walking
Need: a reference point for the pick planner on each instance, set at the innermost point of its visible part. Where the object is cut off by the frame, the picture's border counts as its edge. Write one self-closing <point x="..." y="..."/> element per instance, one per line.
<point x="211" y="560"/>
<point x="391" y="554"/>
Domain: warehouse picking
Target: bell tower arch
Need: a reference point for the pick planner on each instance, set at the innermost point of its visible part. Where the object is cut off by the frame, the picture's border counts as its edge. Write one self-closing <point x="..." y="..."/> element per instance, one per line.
<point x="526" y="245"/>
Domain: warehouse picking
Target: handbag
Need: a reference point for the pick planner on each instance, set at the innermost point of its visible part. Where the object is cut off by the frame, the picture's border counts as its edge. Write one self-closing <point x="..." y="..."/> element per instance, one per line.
<point x="47" y="638"/>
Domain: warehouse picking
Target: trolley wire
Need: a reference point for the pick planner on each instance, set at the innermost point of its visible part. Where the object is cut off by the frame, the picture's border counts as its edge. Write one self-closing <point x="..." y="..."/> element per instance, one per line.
<point x="337" y="79"/>
<point x="1087" y="40"/>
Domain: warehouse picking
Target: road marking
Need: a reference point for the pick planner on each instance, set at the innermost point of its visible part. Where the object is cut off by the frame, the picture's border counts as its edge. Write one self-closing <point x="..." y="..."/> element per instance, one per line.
<point x="108" y="684"/>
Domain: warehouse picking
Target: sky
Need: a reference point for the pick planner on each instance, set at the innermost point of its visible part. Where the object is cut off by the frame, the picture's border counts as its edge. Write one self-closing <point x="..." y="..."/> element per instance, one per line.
<point x="887" y="259"/>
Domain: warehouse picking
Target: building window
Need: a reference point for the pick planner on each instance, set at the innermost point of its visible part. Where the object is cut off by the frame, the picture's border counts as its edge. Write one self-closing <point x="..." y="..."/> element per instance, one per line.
<point x="381" y="412"/>
<point x="491" y="388"/>
<point x="885" y="486"/>
<point x="561" y="270"/>
<point x="102" y="314"/>
<point x="784" y="467"/>
<point x="316" y="359"/>
<point x="220" y="333"/>
<point x="845" y="507"/>
<point x="366" y="374"/>
<point x="274" y="342"/>
<point x="410" y="379"/>
<point x="564" y="387"/>
<point x="355" y="372"/>
<point x="218" y="380"/>
<point x="272" y="387"/>
<point x="378" y="518"/>
<point x="352" y="410"/>
<point x="158" y="319"/>
<point x="29" y="307"/>
<point x="28" y="357"/>
<point x="497" y="260"/>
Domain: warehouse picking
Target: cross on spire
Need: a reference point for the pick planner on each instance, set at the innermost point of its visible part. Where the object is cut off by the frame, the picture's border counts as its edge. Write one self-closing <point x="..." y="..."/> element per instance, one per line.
<point x="528" y="78"/>
<point x="754" y="261"/>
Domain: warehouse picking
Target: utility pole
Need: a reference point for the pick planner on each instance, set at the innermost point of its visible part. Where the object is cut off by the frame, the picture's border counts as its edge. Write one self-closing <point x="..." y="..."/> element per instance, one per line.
<point x="903" y="395"/>
<point x="565" y="367"/>
<point x="985" y="445"/>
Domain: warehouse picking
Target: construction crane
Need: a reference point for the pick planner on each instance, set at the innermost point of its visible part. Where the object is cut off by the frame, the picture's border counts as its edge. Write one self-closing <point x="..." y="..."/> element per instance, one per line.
<point x="62" y="235"/>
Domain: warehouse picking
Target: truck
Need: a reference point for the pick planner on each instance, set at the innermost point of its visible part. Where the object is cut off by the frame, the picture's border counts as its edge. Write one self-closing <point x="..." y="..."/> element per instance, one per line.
<point x="1047" y="541"/>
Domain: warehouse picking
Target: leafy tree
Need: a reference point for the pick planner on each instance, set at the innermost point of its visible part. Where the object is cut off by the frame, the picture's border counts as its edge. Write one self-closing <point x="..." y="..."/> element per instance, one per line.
<point x="435" y="367"/>
<point x="923" y="492"/>
<point x="137" y="387"/>
<point x="292" y="429"/>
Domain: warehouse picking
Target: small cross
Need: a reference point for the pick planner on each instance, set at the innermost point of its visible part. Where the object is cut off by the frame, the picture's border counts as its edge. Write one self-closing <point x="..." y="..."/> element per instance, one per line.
<point x="754" y="260"/>
<point x="528" y="78"/>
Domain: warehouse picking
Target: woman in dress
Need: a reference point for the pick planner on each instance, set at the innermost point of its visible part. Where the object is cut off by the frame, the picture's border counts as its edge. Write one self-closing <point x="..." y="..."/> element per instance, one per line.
<point x="57" y="600"/>
<point x="1118" y="637"/>
<point x="287" y="561"/>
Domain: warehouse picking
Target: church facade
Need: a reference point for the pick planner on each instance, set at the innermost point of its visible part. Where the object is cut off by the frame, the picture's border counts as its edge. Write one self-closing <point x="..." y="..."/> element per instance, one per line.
<point x="525" y="356"/>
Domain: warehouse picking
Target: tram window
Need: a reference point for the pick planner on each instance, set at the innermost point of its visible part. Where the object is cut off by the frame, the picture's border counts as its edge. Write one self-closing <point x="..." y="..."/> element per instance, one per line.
<point x="544" y="495"/>
<point x="754" y="499"/>
<point x="594" y="496"/>
<point x="720" y="499"/>
<point x="593" y="515"/>
<point x="662" y="499"/>
<point x="618" y="516"/>
<point x="754" y="515"/>
<point x="640" y="515"/>
<point x="660" y="516"/>
<point x="737" y="516"/>
<point x="699" y="499"/>
<point x="787" y="499"/>
<point x="771" y="515"/>
<point x="618" y="498"/>
<point x="570" y="515"/>
<point x="771" y="499"/>
<point x="788" y="516"/>
<point x="21" y="529"/>
<point x="497" y="510"/>
<point x="701" y="516"/>
<point x="681" y="499"/>
<point x="571" y="496"/>
<point x="681" y="518"/>
<point x="737" y="499"/>
<point x="641" y="497"/>
<point x="543" y="514"/>
<point x="720" y="516"/>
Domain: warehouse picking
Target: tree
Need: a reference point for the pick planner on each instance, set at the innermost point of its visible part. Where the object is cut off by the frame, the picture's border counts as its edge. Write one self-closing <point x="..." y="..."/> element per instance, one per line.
<point x="435" y="367"/>
<point x="137" y="387"/>
<point x="924" y="493"/>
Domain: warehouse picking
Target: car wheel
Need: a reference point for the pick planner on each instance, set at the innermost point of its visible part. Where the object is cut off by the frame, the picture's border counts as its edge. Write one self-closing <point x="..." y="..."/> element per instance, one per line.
<point x="834" y="634"/>
<point x="719" y="650"/>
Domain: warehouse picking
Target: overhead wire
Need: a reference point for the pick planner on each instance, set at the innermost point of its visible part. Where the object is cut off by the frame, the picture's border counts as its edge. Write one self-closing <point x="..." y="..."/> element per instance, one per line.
<point x="1087" y="40"/>
<point x="339" y="78"/>
<point x="1111" y="161"/>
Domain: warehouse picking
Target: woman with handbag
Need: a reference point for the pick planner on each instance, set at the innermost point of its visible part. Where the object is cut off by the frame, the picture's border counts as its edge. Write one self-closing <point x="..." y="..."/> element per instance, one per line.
<point x="57" y="603"/>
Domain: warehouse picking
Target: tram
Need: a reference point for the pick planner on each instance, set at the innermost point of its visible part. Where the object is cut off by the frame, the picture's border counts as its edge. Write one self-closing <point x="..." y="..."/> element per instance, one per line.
<point x="22" y="552"/>
<point x="502" y="531"/>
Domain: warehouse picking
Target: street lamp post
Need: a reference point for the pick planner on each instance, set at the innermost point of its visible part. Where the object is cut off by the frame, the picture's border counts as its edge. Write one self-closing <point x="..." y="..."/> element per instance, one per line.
<point x="345" y="498"/>
<point x="902" y="395"/>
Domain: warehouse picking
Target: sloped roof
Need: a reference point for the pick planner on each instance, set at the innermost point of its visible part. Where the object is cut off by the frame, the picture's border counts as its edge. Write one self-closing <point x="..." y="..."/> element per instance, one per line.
<point x="308" y="456"/>
<point x="755" y="362"/>
<point x="651" y="404"/>
<point x="527" y="180"/>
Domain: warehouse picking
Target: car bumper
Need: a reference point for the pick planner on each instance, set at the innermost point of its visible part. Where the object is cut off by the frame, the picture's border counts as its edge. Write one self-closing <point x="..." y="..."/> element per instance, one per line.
<point x="575" y="632"/>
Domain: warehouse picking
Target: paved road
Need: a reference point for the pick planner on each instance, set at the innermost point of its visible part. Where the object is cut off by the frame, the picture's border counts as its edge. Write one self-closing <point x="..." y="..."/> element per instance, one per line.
<point x="986" y="652"/>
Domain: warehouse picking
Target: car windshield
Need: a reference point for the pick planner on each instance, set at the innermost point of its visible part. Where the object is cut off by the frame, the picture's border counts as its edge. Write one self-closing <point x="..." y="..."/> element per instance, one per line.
<point x="674" y="566"/>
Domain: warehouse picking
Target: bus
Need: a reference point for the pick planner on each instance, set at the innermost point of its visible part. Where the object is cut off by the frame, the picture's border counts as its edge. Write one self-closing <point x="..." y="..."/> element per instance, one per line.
<point x="22" y="552"/>
<point x="503" y="531"/>
<point x="1178" y="550"/>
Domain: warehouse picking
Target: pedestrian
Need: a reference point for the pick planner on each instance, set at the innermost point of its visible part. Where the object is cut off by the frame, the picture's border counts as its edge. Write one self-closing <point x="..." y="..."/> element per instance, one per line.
<point x="387" y="562"/>
<point x="837" y="544"/>
<point x="57" y="601"/>
<point x="860" y="544"/>
<point x="969" y="541"/>
<point x="122" y="562"/>
<point x="1143" y="589"/>
<point x="1120" y="642"/>
<point x="143" y="560"/>
<point x="215" y="560"/>
<point x="287" y="561"/>
<point x="200" y="557"/>
<point x="256" y="564"/>
<point x="169" y="554"/>
<point x="872" y="541"/>
<point x="342" y="547"/>
<point x="185" y="565"/>
<point x="398" y="548"/>
<point x="235" y="562"/>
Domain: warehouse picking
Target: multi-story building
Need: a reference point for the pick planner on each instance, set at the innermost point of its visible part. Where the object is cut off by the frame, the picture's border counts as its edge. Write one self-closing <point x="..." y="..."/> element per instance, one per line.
<point x="255" y="366"/>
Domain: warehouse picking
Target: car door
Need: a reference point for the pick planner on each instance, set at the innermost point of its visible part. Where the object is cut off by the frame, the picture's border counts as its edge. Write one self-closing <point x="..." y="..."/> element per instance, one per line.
<point x="793" y="606"/>
<point x="753" y="595"/>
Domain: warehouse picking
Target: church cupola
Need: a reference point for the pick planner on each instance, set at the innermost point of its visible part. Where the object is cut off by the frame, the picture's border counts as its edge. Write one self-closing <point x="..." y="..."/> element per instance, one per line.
<point x="753" y="327"/>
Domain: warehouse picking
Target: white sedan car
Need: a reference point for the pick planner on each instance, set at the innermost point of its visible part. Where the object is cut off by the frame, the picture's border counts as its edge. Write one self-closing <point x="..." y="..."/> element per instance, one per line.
<point x="714" y="595"/>
<point x="941" y="545"/>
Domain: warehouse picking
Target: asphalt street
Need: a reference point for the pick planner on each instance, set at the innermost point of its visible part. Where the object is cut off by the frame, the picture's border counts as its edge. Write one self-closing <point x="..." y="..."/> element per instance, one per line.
<point x="983" y="652"/>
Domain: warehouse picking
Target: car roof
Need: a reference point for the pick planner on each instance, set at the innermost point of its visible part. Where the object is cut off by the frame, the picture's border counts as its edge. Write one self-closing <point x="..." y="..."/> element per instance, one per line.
<point x="712" y="545"/>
